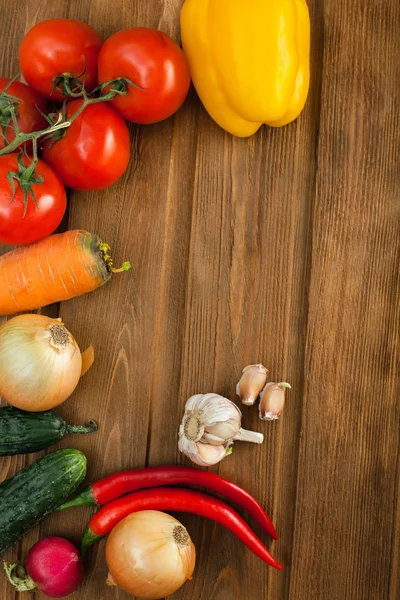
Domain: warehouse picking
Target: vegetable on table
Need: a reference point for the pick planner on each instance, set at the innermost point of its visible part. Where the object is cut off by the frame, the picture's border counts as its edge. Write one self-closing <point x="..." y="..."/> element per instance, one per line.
<point x="40" y="362"/>
<point x="249" y="62"/>
<point x="36" y="491"/>
<point x="57" y="268"/>
<point x="180" y="500"/>
<point x="252" y="381"/>
<point x="22" y="432"/>
<point x="116" y="485"/>
<point x="94" y="151"/>
<point x="53" y="566"/>
<point x="272" y="401"/>
<point x="210" y="425"/>
<point x="57" y="121"/>
<point x="32" y="200"/>
<point x="62" y="52"/>
<point x="22" y="105"/>
<point x="152" y="61"/>
<point x="149" y="555"/>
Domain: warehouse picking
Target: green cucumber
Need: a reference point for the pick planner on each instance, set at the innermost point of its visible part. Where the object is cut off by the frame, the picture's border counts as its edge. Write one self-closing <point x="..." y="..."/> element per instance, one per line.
<point x="22" y="432"/>
<point x="37" y="491"/>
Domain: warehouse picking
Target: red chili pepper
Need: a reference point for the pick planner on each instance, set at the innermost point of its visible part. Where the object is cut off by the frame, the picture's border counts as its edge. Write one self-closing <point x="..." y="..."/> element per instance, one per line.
<point x="121" y="483"/>
<point x="172" y="499"/>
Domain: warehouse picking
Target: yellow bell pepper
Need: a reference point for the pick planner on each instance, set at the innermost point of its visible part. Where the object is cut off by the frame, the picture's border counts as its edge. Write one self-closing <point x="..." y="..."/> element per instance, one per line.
<point x="249" y="60"/>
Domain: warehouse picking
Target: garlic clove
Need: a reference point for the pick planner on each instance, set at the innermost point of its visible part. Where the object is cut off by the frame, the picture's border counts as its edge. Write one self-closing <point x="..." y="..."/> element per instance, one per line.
<point x="211" y="455"/>
<point x="251" y="383"/>
<point x="202" y="454"/>
<point x="219" y="433"/>
<point x="214" y="440"/>
<point x="272" y="401"/>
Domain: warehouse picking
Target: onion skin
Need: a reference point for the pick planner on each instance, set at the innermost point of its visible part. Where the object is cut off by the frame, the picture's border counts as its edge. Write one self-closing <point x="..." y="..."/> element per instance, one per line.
<point x="150" y="555"/>
<point x="34" y="374"/>
<point x="55" y="566"/>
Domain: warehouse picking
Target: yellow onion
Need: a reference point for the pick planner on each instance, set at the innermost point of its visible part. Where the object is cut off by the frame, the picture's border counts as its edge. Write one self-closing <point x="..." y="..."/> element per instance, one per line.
<point x="40" y="362"/>
<point x="149" y="555"/>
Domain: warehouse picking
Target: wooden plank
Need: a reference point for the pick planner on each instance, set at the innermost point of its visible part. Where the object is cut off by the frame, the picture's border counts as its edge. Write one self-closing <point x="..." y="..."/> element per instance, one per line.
<point x="280" y="248"/>
<point x="346" y="537"/>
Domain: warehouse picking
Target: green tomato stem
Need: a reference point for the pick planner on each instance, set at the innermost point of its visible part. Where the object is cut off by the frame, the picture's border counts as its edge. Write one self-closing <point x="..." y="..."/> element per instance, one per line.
<point x="119" y="87"/>
<point x="21" y="138"/>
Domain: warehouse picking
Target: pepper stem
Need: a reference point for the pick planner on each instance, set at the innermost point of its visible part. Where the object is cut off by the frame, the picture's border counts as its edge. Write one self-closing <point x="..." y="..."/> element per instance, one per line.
<point x="81" y="429"/>
<point x="85" y="498"/>
<point x="18" y="577"/>
<point x="88" y="539"/>
<point x="249" y="436"/>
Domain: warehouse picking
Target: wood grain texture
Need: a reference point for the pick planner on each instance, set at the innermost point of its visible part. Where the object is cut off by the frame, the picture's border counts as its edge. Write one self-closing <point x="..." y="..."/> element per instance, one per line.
<point x="283" y="248"/>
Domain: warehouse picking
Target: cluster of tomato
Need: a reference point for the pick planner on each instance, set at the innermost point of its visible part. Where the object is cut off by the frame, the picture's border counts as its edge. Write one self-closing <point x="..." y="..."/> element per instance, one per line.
<point x="65" y="61"/>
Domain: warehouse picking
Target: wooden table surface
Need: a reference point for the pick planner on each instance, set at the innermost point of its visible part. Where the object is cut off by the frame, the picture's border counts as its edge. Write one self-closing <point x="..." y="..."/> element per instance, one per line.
<point x="282" y="248"/>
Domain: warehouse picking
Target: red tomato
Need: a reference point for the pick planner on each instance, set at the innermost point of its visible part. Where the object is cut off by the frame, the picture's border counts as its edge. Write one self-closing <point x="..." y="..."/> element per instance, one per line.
<point x="39" y="221"/>
<point x="58" y="46"/>
<point x="28" y="116"/>
<point x="94" y="151"/>
<point x="154" y="62"/>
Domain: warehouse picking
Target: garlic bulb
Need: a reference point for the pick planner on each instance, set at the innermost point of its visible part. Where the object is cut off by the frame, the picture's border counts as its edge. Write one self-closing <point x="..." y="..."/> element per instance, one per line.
<point x="272" y="401"/>
<point x="150" y="555"/>
<point x="251" y="383"/>
<point x="211" y="419"/>
<point x="40" y="362"/>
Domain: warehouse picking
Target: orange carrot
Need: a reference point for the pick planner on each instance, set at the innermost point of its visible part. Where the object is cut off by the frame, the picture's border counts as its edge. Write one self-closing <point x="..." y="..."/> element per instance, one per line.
<point x="57" y="268"/>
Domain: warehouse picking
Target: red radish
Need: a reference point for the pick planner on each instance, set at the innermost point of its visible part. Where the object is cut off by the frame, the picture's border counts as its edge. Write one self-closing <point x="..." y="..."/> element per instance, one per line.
<point x="53" y="565"/>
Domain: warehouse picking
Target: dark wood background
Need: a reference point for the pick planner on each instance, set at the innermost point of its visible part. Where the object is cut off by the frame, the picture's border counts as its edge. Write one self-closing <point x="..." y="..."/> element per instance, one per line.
<point x="281" y="248"/>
